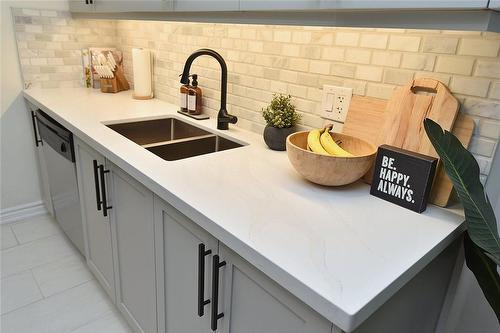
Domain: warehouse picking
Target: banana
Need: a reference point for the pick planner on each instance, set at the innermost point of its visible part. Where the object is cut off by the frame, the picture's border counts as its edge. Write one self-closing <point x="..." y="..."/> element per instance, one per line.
<point x="330" y="145"/>
<point x="313" y="142"/>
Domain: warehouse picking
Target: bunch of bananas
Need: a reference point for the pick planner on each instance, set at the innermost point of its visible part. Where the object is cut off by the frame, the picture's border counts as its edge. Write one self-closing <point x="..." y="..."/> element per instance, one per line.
<point x="320" y="141"/>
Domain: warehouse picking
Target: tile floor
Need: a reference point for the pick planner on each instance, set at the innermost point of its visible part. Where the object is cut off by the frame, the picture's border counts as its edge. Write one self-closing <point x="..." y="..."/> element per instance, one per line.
<point x="46" y="286"/>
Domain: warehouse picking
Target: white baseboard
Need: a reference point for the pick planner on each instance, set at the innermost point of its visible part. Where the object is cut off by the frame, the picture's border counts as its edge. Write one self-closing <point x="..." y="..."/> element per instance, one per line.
<point x="20" y="212"/>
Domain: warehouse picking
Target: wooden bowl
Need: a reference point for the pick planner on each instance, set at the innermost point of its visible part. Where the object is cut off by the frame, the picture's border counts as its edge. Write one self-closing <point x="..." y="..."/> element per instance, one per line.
<point x="330" y="170"/>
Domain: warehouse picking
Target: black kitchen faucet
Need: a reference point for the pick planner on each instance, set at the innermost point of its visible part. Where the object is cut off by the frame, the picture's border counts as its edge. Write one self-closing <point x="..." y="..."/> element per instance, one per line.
<point x="223" y="118"/>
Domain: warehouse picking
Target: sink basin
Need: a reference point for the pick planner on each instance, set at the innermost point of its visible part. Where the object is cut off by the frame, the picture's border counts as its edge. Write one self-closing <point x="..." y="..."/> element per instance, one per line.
<point x="157" y="130"/>
<point x="193" y="147"/>
<point x="173" y="139"/>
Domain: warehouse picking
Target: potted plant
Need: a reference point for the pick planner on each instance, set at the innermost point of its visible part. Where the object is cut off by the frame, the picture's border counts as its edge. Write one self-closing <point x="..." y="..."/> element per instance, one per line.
<point x="481" y="241"/>
<point x="281" y="118"/>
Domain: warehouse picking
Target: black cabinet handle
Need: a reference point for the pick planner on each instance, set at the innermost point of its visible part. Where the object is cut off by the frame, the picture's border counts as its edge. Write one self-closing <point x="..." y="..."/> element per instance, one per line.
<point x="202" y="253"/>
<point x="86" y="2"/>
<point x="97" y="191"/>
<point x="33" y="119"/>
<point x="104" y="201"/>
<point x="215" y="292"/>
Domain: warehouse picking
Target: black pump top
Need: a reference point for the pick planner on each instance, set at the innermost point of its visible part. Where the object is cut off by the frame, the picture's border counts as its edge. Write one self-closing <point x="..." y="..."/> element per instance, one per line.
<point x="194" y="82"/>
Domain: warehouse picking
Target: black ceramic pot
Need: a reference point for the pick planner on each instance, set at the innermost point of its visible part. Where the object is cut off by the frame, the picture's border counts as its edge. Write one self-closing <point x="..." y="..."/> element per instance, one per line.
<point x="275" y="138"/>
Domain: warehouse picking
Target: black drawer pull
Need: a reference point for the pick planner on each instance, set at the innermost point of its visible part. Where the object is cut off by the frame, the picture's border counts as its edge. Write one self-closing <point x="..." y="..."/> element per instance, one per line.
<point x="105" y="206"/>
<point x="37" y="140"/>
<point x="202" y="253"/>
<point x="96" y="181"/>
<point x="215" y="292"/>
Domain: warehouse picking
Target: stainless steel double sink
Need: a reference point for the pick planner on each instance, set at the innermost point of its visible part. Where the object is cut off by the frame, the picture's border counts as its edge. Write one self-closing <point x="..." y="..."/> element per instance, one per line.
<point x="173" y="139"/>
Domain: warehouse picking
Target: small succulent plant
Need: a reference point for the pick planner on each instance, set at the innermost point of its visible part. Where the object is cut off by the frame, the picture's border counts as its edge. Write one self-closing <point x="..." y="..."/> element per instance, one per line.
<point x="281" y="112"/>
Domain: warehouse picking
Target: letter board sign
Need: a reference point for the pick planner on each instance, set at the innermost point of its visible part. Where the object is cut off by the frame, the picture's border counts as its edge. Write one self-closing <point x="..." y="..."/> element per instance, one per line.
<point x="403" y="177"/>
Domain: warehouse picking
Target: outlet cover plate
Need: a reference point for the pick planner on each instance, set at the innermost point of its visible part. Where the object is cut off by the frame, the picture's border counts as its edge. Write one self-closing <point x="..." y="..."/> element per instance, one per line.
<point x="335" y="104"/>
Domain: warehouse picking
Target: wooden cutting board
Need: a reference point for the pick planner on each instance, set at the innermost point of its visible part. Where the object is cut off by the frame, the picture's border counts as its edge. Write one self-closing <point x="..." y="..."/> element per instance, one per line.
<point x="365" y="119"/>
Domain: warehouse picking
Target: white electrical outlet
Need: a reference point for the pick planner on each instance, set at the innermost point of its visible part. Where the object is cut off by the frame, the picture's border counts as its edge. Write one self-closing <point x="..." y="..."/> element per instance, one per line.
<point x="336" y="101"/>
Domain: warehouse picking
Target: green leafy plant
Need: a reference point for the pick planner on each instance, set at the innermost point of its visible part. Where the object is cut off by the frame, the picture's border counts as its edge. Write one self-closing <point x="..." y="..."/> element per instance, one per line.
<point x="281" y="112"/>
<point x="481" y="242"/>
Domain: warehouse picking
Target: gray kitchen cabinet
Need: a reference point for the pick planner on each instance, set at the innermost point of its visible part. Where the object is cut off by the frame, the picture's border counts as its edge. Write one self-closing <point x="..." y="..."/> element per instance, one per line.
<point x="494" y="4"/>
<point x="42" y="165"/>
<point x="116" y="6"/>
<point x="183" y="271"/>
<point x="261" y="5"/>
<point x="96" y="226"/>
<point x="405" y="4"/>
<point x="132" y="230"/>
<point x="206" y="5"/>
<point x="248" y="298"/>
<point x="81" y="6"/>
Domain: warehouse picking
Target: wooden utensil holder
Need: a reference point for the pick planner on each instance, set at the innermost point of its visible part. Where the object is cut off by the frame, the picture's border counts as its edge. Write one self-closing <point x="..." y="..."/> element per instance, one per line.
<point x="115" y="84"/>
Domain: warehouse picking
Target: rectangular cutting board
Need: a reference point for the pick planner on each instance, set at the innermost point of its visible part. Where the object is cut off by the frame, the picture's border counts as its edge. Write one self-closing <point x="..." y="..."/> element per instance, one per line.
<point x="365" y="119"/>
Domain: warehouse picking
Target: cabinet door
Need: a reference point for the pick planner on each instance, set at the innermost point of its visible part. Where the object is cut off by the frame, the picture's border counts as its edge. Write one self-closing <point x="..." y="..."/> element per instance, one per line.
<point x="133" y="250"/>
<point x="248" y="298"/>
<point x="180" y="270"/>
<point x="206" y="5"/>
<point x="42" y="165"/>
<point x="96" y="226"/>
<point x="494" y="4"/>
<point x="279" y="4"/>
<point x="407" y="4"/>
<point x="116" y="6"/>
<point x="81" y="6"/>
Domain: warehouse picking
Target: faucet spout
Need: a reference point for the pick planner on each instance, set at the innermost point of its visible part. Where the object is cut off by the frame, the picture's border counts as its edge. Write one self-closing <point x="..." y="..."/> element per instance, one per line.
<point x="223" y="117"/>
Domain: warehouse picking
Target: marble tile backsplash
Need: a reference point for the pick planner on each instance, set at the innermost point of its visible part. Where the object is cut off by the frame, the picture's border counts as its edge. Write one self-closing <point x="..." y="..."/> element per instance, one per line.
<point x="264" y="59"/>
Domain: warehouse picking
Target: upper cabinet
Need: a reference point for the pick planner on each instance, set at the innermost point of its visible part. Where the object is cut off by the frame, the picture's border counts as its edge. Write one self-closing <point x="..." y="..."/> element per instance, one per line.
<point x="119" y="6"/>
<point x="81" y="6"/>
<point x="407" y="14"/>
<point x="205" y="5"/>
<point x="404" y="4"/>
<point x="279" y="5"/>
<point x="494" y="4"/>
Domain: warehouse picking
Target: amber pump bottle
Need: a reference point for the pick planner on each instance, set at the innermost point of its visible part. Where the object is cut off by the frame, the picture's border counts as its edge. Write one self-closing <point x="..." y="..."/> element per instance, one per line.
<point x="195" y="97"/>
<point x="183" y="97"/>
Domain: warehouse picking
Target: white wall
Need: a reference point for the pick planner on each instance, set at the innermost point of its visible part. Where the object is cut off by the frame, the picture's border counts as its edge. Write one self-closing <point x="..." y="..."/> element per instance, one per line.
<point x="18" y="174"/>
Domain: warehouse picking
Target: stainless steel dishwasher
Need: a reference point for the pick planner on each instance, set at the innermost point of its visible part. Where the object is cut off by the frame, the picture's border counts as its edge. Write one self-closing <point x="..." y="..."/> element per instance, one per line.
<point x="59" y="156"/>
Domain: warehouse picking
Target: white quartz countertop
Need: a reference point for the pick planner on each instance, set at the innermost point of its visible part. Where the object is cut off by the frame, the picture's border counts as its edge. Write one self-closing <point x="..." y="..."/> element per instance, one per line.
<point x="340" y="250"/>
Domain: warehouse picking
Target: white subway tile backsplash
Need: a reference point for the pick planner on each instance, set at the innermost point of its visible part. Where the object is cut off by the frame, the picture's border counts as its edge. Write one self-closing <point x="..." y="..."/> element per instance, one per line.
<point x="266" y="59"/>
<point x="482" y="146"/>
<point x="386" y="59"/>
<point x="375" y="41"/>
<point x="488" y="69"/>
<point x="369" y="73"/>
<point x="489" y="129"/>
<point x="440" y="45"/>
<point x="404" y="43"/>
<point x="455" y="65"/>
<point x="470" y="86"/>
<point x="423" y="62"/>
<point x="347" y="38"/>
<point x="396" y="76"/>
<point x="479" y="47"/>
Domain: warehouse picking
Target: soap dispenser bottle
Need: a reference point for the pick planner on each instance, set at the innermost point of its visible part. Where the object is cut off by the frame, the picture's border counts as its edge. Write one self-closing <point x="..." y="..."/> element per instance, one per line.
<point x="194" y="97"/>
<point x="183" y="97"/>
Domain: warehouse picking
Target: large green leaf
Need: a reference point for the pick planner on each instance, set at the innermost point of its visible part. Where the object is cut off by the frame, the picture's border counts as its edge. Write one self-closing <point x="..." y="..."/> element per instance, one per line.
<point x="485" y="271"/>
<point x="463" y="171"/>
